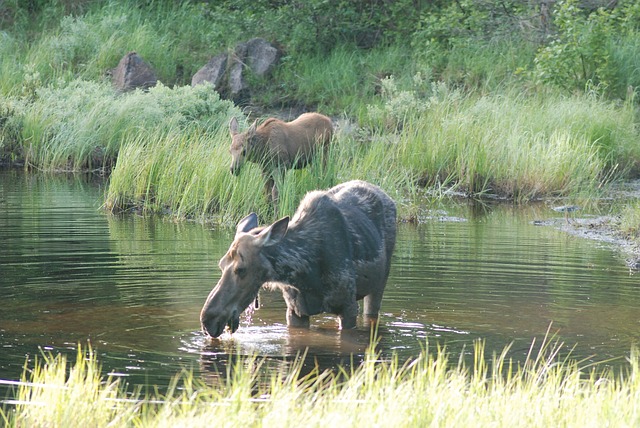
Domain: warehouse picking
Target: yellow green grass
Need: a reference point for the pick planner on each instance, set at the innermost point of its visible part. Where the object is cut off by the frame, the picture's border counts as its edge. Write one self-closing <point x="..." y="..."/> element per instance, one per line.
<point x="517" y="147"/>
<point x="443" y="100"/>
<point x="428" y="390"/>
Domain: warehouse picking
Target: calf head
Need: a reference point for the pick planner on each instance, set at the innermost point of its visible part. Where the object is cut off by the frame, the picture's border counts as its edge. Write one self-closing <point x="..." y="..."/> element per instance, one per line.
<point x="240" y="144"/>
<point x="244" y="269"/>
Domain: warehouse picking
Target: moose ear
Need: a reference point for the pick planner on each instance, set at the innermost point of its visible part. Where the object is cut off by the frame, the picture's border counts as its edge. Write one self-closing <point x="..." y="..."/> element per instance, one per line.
<point x="273" y="234"/>
<point x="247" y="223"/>
<point x="233" y="126"/>
<point x="252" y="128"/>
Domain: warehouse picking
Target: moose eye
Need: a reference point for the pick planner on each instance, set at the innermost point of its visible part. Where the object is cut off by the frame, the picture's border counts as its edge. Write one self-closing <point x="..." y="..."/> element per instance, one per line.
<point x="240" y="271"/>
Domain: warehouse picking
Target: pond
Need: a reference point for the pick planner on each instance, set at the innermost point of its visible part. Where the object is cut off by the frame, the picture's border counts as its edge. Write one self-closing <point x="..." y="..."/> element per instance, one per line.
<point x="133" y="287"/>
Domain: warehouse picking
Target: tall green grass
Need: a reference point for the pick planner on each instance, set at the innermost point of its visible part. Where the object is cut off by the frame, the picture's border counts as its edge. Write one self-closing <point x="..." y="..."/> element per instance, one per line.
<point x="82" y="125"/>
<point x="520" y="147"/>
<point x="428" y="390"/>
<point x="509" y="145"/>
<point x="185" y="174"/>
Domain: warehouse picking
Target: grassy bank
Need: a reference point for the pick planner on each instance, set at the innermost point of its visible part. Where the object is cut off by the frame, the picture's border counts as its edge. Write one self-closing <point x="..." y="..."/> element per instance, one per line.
<point x="430" y="390"/>
<point x="515" y="147"/>
<point x="466" y="96"/>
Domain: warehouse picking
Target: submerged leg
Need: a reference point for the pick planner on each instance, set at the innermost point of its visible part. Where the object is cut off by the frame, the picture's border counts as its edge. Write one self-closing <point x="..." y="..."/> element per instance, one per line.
<point x="371" y="304"/>
<point x="349" y="315"/>
<point x="293" y="320"/>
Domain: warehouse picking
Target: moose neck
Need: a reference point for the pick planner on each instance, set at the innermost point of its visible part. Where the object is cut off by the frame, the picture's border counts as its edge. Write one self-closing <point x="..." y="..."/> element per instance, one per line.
<point x="257" y="150"/>
<point x="289" y="258"/>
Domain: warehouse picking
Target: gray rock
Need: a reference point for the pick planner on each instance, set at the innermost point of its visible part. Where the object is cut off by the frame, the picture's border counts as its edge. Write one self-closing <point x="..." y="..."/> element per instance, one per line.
<point x="133" y="72"/>
<point x="212" y="72"/>
<point x="227" y="72"/>
<point x="237" y="87"/>
<point x="261" y="56"/>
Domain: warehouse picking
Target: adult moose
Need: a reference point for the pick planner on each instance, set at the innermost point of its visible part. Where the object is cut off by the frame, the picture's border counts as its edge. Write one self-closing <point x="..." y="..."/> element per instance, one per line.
<point x="335" y="250"/>
<point x="278" y="145"/>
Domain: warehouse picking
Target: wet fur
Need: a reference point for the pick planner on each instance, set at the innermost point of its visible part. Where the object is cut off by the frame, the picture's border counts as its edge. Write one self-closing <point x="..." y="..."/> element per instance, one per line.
<point x="335" y="250"/>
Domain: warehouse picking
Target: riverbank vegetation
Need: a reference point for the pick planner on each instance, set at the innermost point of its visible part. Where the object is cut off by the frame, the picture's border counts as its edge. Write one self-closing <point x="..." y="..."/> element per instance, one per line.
<point x="429" y="390"/>
<point x="519" y="101"/>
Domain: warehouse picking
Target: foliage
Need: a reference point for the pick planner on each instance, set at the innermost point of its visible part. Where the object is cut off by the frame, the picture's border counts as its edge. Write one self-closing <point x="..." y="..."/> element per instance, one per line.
<point x="402" y="106"/>
<point x="581" y="53"/>
<point x="518" y="147"/>
<point x="175" y="38"/>
<point x="480" y="23"/>
<point x="185" y="174"/>
<point x="428" y="390"/>
<point x="629" y="223"/>
<point x="319" y="25"/>
<point x="340" y="81"/>
<point x="81" y="125"/>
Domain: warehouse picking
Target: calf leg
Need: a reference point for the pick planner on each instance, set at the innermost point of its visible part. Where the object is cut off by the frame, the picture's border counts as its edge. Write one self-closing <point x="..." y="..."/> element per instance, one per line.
<point x="270" y="188"/>
<point x="293" y="320"/>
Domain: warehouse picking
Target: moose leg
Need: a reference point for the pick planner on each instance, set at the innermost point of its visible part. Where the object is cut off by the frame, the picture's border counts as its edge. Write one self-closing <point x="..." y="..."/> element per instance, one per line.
<point x="371" y="304"/>
<point x="293" y="320"/>
<point x="371" y="307"/>
<point x="349" y="315"/>
<point x="269" y="187"/>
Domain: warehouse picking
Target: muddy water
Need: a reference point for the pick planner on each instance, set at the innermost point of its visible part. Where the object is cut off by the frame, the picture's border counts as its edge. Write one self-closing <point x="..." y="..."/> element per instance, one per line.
<point x="133" y="287"/>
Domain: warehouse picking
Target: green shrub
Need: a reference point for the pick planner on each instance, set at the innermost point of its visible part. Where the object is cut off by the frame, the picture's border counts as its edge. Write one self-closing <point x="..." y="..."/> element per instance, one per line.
<point x="444" y="31"/>
<point x="82" y="125"/>
<point x="590" y="48"/>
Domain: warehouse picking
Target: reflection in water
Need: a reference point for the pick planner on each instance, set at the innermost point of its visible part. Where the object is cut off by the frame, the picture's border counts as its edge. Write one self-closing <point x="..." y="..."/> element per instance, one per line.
<point x="133" y="287"/>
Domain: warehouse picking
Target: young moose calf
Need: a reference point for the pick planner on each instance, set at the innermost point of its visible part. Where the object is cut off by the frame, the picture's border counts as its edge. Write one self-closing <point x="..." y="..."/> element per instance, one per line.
<point x="336" y="250"/>
<point x="276" y="144"/>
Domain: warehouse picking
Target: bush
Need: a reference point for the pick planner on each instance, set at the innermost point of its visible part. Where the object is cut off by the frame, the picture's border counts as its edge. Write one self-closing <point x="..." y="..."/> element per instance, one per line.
<point x="590" y="48"/>
<point x="81" y="126"/>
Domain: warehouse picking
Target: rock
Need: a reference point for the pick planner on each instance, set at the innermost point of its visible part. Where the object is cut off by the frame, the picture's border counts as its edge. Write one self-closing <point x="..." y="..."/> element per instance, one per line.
<point x="237" y="88"/>
<point x="212" y="72"/>
<point x="133" y="72"/>
<point x="261" y="56"/>
<point x="227" y="72"/>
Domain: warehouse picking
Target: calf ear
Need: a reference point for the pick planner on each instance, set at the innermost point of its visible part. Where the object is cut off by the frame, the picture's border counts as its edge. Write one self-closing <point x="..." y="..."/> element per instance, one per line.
<point x="274" y="233"/>
<point x="247" y="223"/>
<point x="252" y="128"/>
<point x="233" y="126"/>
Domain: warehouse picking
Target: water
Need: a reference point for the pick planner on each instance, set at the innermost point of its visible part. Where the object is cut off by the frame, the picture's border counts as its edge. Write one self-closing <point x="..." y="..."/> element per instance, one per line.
<point x="133" y="287"/>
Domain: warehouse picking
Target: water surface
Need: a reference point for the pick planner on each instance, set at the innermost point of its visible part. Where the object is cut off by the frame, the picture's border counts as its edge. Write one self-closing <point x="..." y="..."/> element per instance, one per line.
<point x="133" y="287"/>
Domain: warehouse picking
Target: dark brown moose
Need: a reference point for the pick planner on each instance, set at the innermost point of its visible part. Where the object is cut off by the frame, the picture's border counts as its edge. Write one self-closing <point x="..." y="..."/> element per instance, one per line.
<point x="278" y="145"/>
<point x="335" y="250"/>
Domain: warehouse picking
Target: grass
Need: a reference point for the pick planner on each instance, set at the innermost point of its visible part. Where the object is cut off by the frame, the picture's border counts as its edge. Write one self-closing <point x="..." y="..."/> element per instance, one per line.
<point x="166" y="150"/>
<point x="186" y="174"/>
<point x="520" y="147"/>
<point x="428" y="390"/>
<point x="82" y="125"/>
<point x="629" y="225"/>
<point x="469" y="118"/>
